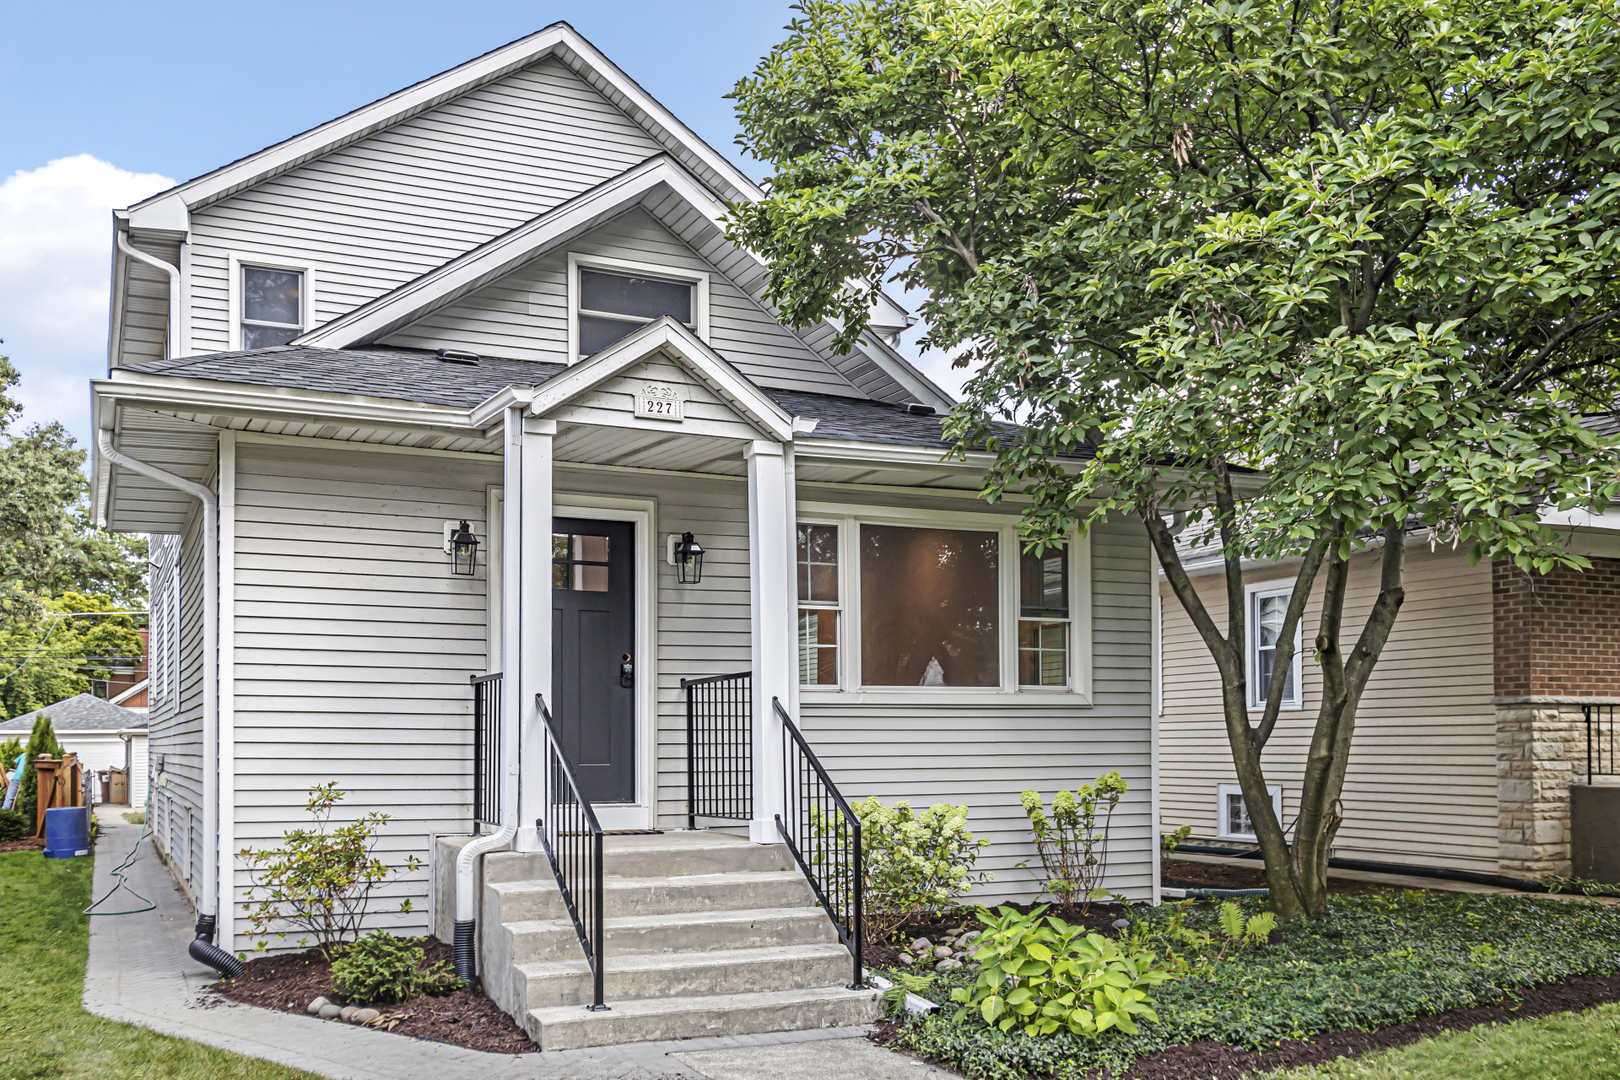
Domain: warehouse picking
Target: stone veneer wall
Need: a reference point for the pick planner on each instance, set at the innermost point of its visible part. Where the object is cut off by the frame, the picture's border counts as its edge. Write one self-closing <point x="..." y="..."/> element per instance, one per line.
<point x="1557" y="647"/>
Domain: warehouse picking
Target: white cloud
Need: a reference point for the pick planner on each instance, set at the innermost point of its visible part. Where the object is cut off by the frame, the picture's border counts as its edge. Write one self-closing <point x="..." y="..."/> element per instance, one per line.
<point x="55" y="266"/>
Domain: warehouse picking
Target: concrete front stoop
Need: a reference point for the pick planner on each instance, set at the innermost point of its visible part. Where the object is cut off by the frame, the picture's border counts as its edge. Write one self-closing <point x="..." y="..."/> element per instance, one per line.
<point x="705" y="934"/>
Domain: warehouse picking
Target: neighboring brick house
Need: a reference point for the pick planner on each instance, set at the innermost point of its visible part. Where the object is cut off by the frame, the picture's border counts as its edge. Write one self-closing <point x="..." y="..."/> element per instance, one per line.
<point x="1471" y="732"/>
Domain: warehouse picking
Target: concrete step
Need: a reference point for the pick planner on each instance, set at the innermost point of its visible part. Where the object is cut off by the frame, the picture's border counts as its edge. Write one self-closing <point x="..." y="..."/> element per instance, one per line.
<point x="523" y="901"/>
<point x="695" y="974"/>
<point x="678" y="853"/>
<point x="698" y="931"/>
<point x="570" y="1027"/>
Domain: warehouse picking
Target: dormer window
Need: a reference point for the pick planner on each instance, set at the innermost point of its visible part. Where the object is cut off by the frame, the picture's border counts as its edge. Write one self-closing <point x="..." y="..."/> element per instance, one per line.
<point x="612" y="300"/>
<point x="272" y="306"/>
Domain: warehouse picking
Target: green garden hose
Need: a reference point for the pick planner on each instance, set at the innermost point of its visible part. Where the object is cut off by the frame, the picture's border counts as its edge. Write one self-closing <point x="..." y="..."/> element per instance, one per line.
<point x="129" y="861"/>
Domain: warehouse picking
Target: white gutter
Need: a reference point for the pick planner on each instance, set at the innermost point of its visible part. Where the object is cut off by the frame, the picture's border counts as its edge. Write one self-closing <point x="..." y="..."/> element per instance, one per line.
<point x="466" y="936"/>
<point x="208" y="897"/>
<point x="173" y="330"/>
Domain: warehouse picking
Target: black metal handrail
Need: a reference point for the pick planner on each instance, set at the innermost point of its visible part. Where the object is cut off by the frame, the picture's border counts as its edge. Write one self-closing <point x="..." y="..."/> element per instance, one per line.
<point x="572" y="838"/>
<point x="824" y="836"/>
<point x="486" y="751"/>
<point x="719" y="747"/>
<point x="1596" y="720"/>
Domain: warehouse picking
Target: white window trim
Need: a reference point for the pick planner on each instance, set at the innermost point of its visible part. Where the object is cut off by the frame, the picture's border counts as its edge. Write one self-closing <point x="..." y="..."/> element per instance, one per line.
<point x="306" y="291"/>
<point x="849" y="519"/>
<point x="1257" y="693"/>
<point x="1223" y="830"/>
<point x="698" y="279"/>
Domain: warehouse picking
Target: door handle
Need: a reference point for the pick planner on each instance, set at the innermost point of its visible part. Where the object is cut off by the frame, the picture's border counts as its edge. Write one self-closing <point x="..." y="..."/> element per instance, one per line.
<point x="627" y="672"/>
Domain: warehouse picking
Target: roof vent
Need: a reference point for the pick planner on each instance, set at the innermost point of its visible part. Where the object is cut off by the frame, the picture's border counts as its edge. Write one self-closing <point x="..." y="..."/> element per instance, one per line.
<point x="456" y="356"/>
<point x="918" y="409"/>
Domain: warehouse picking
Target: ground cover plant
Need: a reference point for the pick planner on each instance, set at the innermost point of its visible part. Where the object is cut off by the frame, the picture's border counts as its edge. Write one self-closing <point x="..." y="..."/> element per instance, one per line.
<point x="1368" y="962"/>
<point x="45" y="1033"/>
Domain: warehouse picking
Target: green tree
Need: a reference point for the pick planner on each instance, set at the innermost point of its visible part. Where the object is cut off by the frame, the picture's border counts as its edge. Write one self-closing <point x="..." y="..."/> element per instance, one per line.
<point x="1329" y="273"/>
<point x="63" y="653"/>
<point x="41" y="742"/>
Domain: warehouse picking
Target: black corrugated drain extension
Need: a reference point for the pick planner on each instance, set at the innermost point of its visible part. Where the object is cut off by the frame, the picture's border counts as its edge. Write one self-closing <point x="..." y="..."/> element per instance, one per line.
<point x="204" y="951"/>
<point x="464" y="951"/>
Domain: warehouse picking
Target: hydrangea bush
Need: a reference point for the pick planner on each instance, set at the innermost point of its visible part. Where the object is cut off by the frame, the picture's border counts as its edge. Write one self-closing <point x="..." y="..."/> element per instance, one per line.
<point x="914" y="862"/>
<point x="1072" y="844"/>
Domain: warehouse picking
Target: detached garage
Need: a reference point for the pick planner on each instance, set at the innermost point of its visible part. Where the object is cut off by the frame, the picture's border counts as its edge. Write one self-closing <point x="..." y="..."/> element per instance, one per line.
<point x="104" y="735"/>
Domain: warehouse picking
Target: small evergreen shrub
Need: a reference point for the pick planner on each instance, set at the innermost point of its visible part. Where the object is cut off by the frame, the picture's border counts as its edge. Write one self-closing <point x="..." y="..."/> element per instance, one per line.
<point x="381" y="969"/>
<point x="13" y="825"/>
<point x="41" y="743"/>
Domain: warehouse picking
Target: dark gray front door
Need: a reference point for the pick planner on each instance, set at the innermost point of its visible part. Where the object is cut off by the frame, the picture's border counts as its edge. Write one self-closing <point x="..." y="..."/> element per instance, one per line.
<point x="593" y="632"/>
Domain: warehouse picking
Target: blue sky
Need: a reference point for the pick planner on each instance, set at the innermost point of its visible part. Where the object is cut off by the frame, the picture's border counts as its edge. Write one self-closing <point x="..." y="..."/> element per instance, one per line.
<point x="105" y="104"/>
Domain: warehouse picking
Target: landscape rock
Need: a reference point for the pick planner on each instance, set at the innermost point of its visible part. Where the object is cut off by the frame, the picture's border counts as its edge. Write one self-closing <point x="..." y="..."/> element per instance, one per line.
<point x="364" y="1016"/>
<point x="921" y="945"/>
<point x="347" y="1012"/>
<point x="942" y="951"/>
<point x="943" y="966"/>
<point x="906" y="960"/>
<point x="329" y="1012"/>
<point x="317" y="1005"/>
<point x="1120" y="924"/>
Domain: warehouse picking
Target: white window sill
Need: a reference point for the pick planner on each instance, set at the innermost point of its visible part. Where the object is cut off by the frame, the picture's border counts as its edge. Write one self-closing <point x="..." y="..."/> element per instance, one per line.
<point x="934" y="695"/>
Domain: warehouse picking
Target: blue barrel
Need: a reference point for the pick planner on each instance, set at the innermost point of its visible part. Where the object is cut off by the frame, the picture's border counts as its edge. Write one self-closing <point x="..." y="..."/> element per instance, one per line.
<point x="67" y="832"/>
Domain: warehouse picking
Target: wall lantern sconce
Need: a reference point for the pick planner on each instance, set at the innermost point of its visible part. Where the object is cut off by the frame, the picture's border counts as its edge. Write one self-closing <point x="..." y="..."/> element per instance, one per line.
<point x="462" y="547"/>
<point x="686" y="555"/>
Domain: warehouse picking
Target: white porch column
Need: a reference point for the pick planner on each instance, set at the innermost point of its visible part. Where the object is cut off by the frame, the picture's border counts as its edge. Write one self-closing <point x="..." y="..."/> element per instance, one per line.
<point x="529" y="650"/>
<point x="771" y="596"/>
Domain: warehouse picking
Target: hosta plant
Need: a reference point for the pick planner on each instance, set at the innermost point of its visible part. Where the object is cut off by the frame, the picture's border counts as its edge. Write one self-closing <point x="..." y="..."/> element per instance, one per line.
<point x="1040" y="974"/>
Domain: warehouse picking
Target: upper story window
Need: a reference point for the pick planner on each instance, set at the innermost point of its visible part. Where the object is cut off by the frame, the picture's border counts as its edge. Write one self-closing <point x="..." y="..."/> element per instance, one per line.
<point x="272" y="306"/>
<point x="1267" y="609"/>
<point x="614" y="306"/>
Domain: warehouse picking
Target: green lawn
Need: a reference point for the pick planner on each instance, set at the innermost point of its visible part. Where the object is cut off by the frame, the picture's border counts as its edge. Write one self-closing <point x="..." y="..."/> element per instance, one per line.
<point x="1570" y="1046"/>
<point x="45" y="1034"/>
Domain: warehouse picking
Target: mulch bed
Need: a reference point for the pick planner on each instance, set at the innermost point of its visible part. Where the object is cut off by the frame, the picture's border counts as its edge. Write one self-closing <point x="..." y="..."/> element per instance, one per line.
<point x="1214" y="1061"/>
<point x="1179" y="874"/>
<point x="27" y="843"/>
<point x="1098" y="917"/>
<point x="288" y="982"/>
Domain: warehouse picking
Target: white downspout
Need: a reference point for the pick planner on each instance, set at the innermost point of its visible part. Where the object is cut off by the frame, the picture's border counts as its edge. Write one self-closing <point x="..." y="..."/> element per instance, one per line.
<point x="511" y="624"/>
<point x="208" y="896"/>
<point x="173" y="336"/>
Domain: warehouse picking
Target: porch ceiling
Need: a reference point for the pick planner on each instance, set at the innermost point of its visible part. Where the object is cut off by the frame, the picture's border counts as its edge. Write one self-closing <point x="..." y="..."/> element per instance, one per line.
<point x="632" y="448"/>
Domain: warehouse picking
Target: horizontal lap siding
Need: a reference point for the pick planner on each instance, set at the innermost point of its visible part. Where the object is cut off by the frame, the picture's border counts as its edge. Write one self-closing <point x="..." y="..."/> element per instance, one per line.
<point x="354" y="644"/>
<point x="985" y="755"/>
<point x="376" y="214"/>
<point x="1421" y="784"/>
<point x="175" y="733"/>
<point x="524" y="315"/>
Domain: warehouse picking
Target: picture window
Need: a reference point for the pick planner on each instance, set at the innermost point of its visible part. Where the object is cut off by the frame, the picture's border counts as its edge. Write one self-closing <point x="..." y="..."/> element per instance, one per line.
<point x="929" y="607"/>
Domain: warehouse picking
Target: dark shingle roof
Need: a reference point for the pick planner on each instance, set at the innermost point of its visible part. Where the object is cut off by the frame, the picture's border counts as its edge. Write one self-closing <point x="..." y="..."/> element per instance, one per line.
<point x="419" y="375"/>
<point x="85" y="712"/>
<point x="404" y="374"/>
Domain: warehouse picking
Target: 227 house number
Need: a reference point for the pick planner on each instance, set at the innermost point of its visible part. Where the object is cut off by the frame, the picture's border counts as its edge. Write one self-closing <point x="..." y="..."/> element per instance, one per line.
<point x="659" y="402"/>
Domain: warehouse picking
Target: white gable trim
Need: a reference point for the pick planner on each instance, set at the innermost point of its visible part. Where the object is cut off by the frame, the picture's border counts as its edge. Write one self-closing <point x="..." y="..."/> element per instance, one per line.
<point x="668" y="338"/>
<point x="170" y="209"/>
<point x="507" y="252"/>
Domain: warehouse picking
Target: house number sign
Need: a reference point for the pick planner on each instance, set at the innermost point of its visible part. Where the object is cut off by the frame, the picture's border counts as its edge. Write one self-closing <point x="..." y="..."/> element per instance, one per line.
<point x="656" y="401"/>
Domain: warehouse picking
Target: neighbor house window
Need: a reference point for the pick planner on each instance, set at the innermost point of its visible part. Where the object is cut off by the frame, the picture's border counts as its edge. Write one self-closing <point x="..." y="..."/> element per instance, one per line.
<point x="1043" y="617"/>
<point x="1234" y="821"/>
<point x="818" y="605"/>
<point x="929" y="607"/>
<point x="1267" y="607"/>
<point x="614" y="306"/>
<point x="272" y="306"/>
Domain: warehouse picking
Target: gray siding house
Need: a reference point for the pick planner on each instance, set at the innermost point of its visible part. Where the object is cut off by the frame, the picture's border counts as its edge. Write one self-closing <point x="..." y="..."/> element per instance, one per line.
<point x="501" y="302"/>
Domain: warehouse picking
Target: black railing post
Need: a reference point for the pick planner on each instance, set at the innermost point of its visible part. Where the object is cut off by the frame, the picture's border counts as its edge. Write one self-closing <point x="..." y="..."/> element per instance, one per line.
<point x="691" y="759"/>
<point x="478" y="754"/>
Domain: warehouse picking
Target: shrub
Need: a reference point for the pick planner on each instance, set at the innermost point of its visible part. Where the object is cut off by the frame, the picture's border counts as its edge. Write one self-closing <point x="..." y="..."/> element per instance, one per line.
<point x="41" y="743"/>
<point x="320" y="880"/>
<point x="10" y="751"/>
<point x="13" y="825"/>
<point x="381" y="969"/>
<point x="1041" y="975"/>
<point x="913" y="863"/>
<point x="1069" y="840"/>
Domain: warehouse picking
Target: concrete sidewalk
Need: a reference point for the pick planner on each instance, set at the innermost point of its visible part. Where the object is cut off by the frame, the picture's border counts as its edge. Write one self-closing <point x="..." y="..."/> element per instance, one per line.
<point x="138" y="972"/>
